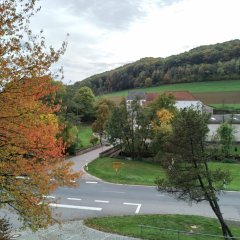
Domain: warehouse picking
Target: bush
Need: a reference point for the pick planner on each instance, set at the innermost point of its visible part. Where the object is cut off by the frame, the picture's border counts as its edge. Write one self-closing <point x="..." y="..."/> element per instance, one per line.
<point x="71" y="150"/>
<point x="93" y="140"/>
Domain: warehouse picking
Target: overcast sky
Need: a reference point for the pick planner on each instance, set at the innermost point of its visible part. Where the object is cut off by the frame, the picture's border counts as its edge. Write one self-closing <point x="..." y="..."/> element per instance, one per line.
<point x="105" y="34"/>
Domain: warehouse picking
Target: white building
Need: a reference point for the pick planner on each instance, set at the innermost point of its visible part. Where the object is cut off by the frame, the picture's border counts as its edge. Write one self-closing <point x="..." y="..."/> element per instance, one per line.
<point x="140" y="97"/>
<point x="185" y="99"/>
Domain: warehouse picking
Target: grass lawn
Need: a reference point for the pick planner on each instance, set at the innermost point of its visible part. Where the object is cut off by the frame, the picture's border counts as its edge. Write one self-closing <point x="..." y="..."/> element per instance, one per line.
<point x="234" y="170"/>
<point x="144" y="173"/>
<point x="132" y="172"/>
<point x="84" y="134"/>
<point x="196" y="87"/>
<point x="230" y="106"/>
<point x="129" y="226"/>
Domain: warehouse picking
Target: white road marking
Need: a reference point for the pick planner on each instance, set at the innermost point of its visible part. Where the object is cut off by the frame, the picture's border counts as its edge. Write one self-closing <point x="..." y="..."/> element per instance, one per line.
<point x="22" y="177"/>
<point x="101" y="201"/>
<point x="75" y="207"/>
<point x="135" y="204"/>
<point x="113" y="192"/>
<point x="16" y="235"/>
<point x="74" y="199"/>
<point x="91" y="182"/>
<point x="49" y="197"/>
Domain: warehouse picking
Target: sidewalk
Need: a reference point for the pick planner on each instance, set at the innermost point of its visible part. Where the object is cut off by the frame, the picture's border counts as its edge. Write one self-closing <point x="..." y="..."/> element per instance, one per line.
<point x="72" y="230"/>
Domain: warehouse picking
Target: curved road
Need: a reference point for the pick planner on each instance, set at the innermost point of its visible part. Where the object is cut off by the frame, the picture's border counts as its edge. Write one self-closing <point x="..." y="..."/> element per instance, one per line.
<point x="96" y="198"/>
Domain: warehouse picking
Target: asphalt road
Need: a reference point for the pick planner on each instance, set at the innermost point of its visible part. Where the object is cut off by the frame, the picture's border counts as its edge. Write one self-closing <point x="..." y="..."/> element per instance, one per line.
<point x="94" y="198"/>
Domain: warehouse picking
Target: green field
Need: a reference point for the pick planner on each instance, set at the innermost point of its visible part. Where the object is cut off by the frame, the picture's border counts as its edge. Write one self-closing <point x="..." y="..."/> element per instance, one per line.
<point x="129" y="226"/>
<point x="196" y="87"/>
<point x="144" y="173"/>
<point x="230" y="106"/>
<point x="84" y="135"/>
<point x="234" y="170"/>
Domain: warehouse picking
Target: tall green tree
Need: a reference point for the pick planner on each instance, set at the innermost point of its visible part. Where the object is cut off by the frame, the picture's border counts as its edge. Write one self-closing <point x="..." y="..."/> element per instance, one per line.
<point x="130" y="129"/>
<point x="226" y="136"/>
<point x="164" y="103"/>
<point x="188" y="175"/>
<point x="70" y="138"/>
<point x="103" y="108"/>
<point x="84" y="104"/>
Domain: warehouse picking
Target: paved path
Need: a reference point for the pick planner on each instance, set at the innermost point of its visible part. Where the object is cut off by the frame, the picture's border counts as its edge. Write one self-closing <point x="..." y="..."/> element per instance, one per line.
<point x="74" y="230"/>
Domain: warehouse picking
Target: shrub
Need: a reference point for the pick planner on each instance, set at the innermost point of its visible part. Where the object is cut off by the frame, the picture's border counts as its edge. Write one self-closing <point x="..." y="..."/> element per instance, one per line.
<point x="93" y="140"/>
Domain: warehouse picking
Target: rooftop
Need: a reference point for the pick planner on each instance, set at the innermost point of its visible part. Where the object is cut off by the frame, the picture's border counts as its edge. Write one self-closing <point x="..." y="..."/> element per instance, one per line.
<point x="182" y="95"/>
<point x="136" y="95"/>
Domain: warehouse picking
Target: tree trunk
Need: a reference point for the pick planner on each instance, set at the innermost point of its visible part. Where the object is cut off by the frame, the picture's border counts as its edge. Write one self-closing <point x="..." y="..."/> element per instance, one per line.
<point x="225" y="229"/>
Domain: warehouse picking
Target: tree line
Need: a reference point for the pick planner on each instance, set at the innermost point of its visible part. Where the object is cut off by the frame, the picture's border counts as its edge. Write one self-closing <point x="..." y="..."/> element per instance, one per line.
<point x="216" y="62"/>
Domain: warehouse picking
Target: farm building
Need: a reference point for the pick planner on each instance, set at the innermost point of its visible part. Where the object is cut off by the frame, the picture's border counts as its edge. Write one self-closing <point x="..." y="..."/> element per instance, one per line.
<point x="184" y="99"/>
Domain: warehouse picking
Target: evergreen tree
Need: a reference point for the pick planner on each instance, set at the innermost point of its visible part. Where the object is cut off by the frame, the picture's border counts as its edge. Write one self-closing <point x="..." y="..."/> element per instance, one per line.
<point x="188" y="175"/>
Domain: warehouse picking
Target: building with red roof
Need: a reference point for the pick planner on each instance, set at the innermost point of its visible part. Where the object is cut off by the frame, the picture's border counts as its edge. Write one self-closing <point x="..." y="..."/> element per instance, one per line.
<point x="185" y="99"/>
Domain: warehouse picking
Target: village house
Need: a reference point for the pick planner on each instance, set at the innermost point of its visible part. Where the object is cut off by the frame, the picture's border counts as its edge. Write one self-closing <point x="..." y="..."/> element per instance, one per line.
<point x="184" y="99"/>
<point x="138" y="96"/>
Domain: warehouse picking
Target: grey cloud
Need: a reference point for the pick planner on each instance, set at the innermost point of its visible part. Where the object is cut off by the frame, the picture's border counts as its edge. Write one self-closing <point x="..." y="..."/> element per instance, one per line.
<point x="108" y="14"/>
<point x="83" y="58"/>
<point x="76" y="71"/>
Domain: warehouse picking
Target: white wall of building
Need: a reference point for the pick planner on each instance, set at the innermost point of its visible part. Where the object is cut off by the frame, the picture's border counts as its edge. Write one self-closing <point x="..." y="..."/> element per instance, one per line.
<point x="187" y="104"/>
<point x="213" y="131"/>
<point x="130" y="102"/>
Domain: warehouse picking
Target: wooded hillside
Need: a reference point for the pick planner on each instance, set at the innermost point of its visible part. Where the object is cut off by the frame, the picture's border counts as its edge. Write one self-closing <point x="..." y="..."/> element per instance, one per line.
<point x="206" y="63"/>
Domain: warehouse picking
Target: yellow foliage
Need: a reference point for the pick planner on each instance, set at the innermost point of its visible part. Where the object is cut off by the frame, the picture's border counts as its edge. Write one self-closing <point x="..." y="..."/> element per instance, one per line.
<point x="49" y="118"/>
<point x="164" y="116"/>
<point x="163" y="120"/>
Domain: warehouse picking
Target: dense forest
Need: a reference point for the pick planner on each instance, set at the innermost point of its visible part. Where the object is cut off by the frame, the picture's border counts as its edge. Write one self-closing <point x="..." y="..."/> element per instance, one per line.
<point x="205" y="63"/>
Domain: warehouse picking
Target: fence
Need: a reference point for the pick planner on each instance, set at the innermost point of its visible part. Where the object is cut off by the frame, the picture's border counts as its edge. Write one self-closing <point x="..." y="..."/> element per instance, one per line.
<point x="110" y="152"/>
<point x="150" y="232"/>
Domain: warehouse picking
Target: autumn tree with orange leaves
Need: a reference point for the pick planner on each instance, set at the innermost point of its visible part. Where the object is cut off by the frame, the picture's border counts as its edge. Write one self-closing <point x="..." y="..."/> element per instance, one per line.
<point x="31" y="153"/>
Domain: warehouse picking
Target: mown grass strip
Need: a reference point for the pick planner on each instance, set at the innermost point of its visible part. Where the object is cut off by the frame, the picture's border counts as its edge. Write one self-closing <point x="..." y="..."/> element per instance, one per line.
<point x="229" y="106"/>
<point x="129" y="226"/>
<point x="132" y="172"/>
<point x="145" y="173"/>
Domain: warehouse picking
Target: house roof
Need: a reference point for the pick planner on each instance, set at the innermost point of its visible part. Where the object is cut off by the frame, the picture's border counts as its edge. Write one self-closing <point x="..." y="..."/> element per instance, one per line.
<point x="135" y="95"/>
<point x="182" y="95"/>
<point x="151" y="96"/>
